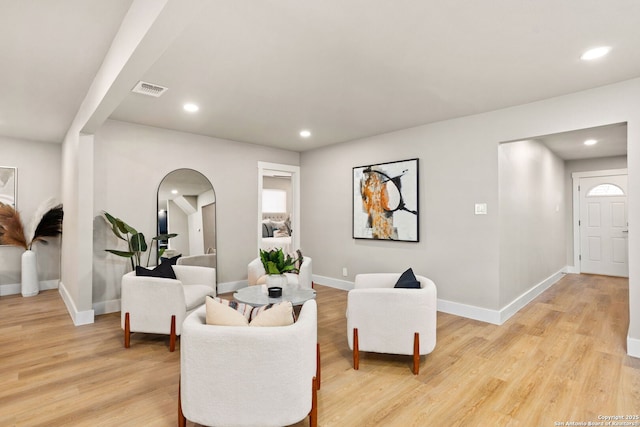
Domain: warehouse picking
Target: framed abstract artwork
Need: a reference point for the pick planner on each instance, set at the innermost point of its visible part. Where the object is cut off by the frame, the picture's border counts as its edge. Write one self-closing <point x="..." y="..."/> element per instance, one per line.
<point x="8" y="185"/>
<point x="385" y="201"/>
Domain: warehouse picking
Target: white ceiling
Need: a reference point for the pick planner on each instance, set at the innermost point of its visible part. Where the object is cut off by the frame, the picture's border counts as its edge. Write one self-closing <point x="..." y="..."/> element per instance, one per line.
<point x="611" y="141"/>
<point x="50" y="52"/>
<point x="263" y="70"/>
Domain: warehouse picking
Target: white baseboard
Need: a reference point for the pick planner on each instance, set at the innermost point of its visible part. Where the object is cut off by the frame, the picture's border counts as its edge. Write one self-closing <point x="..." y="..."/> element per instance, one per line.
<point x="16" y="288"/>
<point x="633" y="347"/>
<point x="345" y="285"/>
<point x="105" y="307"/>
<point x="78" y="317"/>
<point x="10" y="289"/>
<point x="524" y="299"/>
<point x="45" y="285"/>
<point x="497" y="317"/>
<point x="571" y="269"/>
<point x="469" y="311"/>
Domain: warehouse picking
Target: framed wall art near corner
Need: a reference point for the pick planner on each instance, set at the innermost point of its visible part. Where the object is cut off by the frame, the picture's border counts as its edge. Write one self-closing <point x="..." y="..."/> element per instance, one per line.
<point x="385" y="201"/>
<point x="8" y="185"/>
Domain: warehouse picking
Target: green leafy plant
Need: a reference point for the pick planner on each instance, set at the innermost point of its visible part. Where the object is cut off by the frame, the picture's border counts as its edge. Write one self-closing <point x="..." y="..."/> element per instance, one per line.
<point x="136" y="242"/>
<point x="276" y="262"/>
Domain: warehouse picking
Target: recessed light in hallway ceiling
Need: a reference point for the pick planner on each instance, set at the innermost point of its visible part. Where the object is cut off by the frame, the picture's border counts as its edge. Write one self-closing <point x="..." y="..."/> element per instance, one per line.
<point x="595" y="53"/>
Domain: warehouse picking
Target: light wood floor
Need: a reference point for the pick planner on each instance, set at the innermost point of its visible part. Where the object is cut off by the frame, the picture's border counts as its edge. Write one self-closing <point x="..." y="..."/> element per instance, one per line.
<point x="562" y="358"/>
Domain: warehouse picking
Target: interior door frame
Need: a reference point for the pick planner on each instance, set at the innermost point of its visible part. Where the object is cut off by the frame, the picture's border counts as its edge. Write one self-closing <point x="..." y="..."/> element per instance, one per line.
<point x="575" y="176"/>
<point x="295" y="189"/>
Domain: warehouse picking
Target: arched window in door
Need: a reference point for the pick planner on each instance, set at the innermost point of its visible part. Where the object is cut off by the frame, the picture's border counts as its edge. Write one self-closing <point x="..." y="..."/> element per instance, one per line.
<point x="605" y="190"/>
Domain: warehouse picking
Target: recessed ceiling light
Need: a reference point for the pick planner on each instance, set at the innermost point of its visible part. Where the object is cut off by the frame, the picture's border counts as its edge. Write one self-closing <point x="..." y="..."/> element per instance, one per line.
<point x="174" y="191"/>
<point x="191" y="108"/>
<point x="595" y="53"/>
<point x="590" y="142"/>
<point x="305" y="133"/>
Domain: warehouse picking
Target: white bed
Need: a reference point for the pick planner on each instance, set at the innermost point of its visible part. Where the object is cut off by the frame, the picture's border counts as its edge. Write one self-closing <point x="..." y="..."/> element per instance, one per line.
<point x="282" y="236"/>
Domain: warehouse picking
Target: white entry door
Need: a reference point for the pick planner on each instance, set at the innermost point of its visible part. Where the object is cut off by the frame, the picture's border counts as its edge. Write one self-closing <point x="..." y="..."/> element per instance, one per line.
<point x="603" y="225"/>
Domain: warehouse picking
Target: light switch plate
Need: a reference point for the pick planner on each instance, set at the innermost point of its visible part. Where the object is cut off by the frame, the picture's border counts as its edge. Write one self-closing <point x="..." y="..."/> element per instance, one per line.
<point x="481" y="208"/>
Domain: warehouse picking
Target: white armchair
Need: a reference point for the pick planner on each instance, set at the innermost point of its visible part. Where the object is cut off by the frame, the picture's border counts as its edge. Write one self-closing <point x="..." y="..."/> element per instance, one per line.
<point x="247" y="375"/>
<point x="158" y="305"/>
<point x="256" y="275"/>
<point x="384" y="319"/>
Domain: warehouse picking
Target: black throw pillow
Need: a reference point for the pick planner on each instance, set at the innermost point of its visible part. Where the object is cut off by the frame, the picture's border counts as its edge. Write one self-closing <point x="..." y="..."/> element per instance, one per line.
<point x="408" y="280"/>
<point x="164" y="270"/>
<point x="170" y="261"/>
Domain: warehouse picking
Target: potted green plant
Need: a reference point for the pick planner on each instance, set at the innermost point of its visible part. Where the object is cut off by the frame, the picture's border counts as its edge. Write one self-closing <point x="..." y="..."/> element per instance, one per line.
<point x="276" y="263"/>
<point x="136" y="242"/>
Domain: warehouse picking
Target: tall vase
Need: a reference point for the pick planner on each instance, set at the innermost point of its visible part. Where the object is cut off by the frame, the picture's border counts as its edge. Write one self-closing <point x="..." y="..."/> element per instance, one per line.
<point x="30" y="284"/>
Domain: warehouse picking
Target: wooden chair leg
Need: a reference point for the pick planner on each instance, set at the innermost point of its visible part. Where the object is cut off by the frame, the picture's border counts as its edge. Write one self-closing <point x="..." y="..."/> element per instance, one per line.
<point x="172" y="337"/>
<point x="318" y="369"/>
<point x="127" y="331"/>
<point x="182" y="420"/>
<point x="416" y="353"/>
<point x="356" y="351"/>
<point x="313" y="415"/>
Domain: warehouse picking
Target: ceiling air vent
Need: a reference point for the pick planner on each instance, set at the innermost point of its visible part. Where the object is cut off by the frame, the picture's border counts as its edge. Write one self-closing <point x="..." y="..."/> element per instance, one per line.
<point x="149" y="89"/>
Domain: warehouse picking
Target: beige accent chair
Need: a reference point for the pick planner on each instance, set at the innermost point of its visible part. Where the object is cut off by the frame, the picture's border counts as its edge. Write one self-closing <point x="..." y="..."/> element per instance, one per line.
<point x="248" y="375"/>
<point x="256" y="275"/>
<point x="384" y="319"/>
<point x="159" y="306"/>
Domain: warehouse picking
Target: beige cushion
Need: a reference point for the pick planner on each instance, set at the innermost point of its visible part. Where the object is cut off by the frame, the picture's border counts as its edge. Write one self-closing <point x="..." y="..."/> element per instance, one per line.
<point x="280" y="314"/>
<point x="223" y="315"/>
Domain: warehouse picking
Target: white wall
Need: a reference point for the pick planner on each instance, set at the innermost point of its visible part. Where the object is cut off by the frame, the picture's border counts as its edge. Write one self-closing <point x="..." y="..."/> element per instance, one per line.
<point x="39" y="169"/>
<point x="458" y="167"/>
<point x="532" y="206"/>
<point x="571" y="166"/>
<point x="131" y="161"/>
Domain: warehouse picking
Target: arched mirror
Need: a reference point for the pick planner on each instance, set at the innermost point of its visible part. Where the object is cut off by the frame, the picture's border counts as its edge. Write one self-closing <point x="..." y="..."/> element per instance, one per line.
<point x="187" y="207"/>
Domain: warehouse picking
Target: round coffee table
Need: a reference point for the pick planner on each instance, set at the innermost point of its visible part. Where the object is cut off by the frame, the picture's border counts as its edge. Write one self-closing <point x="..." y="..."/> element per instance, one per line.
<point x="257" y="295"/>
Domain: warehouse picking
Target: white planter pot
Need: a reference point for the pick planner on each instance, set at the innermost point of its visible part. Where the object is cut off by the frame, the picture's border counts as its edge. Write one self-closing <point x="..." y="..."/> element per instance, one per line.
<point x="276" y="280"/>
<point x="30" y="283"/>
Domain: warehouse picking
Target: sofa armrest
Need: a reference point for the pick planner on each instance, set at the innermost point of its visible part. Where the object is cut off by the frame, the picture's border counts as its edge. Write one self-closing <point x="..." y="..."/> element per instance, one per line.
<point x="255" y="270"/>
<point x="375" y="280"/>
<point x="304" y="276"/>
<point x="151" y="301"/>
<point x="195" y="275"/>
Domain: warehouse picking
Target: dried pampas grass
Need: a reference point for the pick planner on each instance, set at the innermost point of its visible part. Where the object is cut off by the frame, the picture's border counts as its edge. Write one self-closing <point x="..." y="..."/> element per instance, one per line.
<point x="11" y="229"/>
<point x="47" y="222"/>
